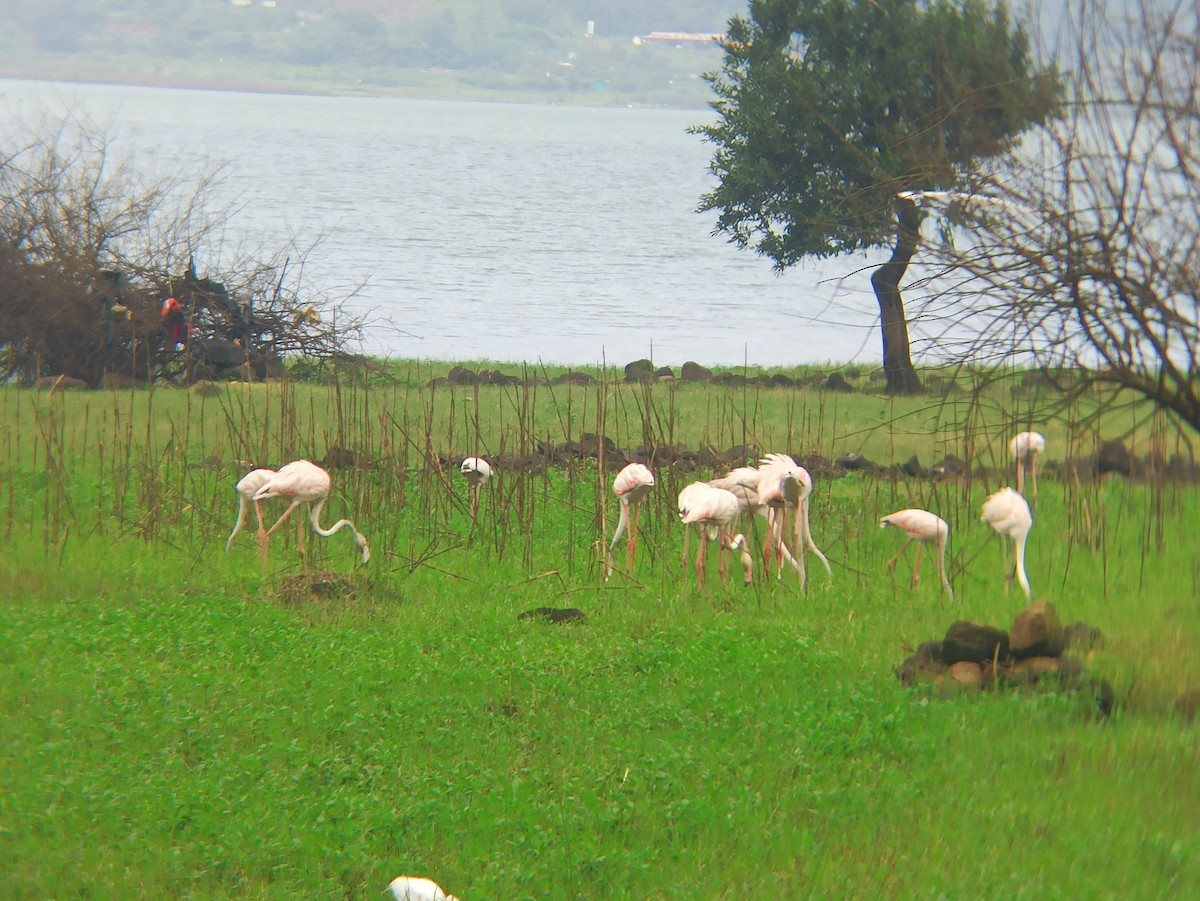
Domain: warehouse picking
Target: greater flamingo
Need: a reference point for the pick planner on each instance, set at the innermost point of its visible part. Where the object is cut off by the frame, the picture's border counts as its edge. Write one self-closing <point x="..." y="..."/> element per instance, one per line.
<point x="743" y="482"/>
<point x="417" y="888"/>
<point x="303" y="482"/>
<point x="1008" y="514"/>
<point x="924" y="528"/>
<point x="631" y="486"/>
<point x="246" y="488"/>
<point x="784" y="483"/>
<point x="1025" y="447"/>
<point x="477" y="471"/>
<point x="713" y="510"/>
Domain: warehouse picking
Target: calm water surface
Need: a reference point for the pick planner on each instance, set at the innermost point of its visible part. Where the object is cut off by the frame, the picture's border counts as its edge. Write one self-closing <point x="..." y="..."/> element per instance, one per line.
<point x="484" y="230"/>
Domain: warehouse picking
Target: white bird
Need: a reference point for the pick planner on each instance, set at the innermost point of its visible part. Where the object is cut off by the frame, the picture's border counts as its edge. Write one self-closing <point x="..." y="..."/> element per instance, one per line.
<point x="417" y="888"/>
<point x="1008" y="514"/>
<point x="713" y="510"/>
<point x="302" y="482"/>
<point x="924" y="528"/>
<point x="631" y="486"/>
<point x="1025" y="447"/>
<point x="246" y="488"/>
<point x="784" y="483"/>
<point x="477" y="471"/>
<point x="743" y="482"/>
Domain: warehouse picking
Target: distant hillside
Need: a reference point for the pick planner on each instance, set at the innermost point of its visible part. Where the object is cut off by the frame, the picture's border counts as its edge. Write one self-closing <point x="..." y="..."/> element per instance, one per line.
<point x="542" y="49"/>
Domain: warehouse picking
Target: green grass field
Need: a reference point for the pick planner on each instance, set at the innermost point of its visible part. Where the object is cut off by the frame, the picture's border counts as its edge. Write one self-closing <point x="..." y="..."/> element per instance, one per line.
<point x="179" y="721"/>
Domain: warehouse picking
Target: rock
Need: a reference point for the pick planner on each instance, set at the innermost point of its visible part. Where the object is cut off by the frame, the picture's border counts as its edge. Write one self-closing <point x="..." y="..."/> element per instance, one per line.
<point x="339" y="458"/>
<point x="555" y="614"/>
<point x="664" y="374"/>
<point x="694" y="372"/>
<point x="950" y="467"/>
<point x="461" y="375"/>
<point x="220" y="354"/>
<point x="837" y="382"/>
<point x="639" y="371"/>
<point x="574" y="378"/>
<point x="973" y="642"/>
<point x="1079" y="636"/>
<point x="779" y="380"/>
<point x="816" y="465"/>
<point x="914" y="670"/>
<point x="855" y="462"/>
<point x="496" y="377"/>
<point x="912" y="467"/>
<point x="269" y="366"/>
<point x="741" y="455"/>
<point x="930" y="652"/>
<point x="1036" y="667"/>
<point x="590" y="442"/>
<point x="59" y="383"/>
<point x="1037" y="632"/>
<point x="966" y="674"/>
<point x="1113" y="456"/>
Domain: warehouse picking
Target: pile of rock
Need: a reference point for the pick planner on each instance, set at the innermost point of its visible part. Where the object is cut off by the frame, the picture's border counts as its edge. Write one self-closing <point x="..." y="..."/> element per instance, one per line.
<point x="974" y="655"/>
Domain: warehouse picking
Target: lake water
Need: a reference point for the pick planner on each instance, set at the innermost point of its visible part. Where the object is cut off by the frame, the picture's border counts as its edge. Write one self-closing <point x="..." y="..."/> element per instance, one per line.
<point x="489" y="231"/>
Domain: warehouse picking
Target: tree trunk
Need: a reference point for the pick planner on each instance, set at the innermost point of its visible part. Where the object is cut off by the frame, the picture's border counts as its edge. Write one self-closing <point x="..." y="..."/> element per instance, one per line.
<point x="902" y="378"/>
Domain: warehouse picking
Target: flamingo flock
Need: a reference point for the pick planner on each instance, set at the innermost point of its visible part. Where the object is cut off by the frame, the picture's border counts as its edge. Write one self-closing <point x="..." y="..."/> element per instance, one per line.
<point x="774" y="489"/>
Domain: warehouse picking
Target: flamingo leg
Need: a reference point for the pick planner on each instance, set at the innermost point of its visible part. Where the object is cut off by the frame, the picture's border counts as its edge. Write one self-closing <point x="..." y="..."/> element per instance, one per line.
<point x="1033" y="474"/>
<point x="916" y="579"/>
<point x="891" y="564"/>
<point x="300" y="543"/>
<point x="687" y="537"/>
<point x="942" y="570"/>
<point x="631" y="547"/>
<point x="700" y="559"/>
<point x="808" y="540"/>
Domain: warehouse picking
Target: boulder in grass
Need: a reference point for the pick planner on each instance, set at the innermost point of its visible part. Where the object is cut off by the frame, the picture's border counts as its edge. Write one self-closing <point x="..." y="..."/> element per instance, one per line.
<point x="837" y="382"/>
<point x="59" y="383"/>
<point x="461" y="375"/>
<point x="694" y="372"/>
<point x="1113" y="456"/>
<point x="912" y="467"/>
<point x="1037" y="632"/>
<point x="965" y="674"/>
<point x="1079" y="636"/>
<point x="973" y="642"/>
<point x="639" y="371"/>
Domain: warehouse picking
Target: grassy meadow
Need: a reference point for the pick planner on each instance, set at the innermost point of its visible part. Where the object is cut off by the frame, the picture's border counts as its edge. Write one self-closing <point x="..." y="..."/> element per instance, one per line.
<point x="183" y="721"/>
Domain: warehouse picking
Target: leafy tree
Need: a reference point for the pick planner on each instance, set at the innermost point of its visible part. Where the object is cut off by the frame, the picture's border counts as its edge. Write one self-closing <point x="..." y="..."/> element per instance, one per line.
<point x="830" y="109"/>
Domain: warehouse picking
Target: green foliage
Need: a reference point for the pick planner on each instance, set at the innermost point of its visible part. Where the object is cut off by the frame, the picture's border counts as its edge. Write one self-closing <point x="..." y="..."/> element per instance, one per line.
<point x="828" y="109"/>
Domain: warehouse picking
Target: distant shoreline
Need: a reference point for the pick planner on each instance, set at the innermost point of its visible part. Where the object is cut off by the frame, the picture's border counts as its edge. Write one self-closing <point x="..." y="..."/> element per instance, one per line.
<point x="431" y="88"/>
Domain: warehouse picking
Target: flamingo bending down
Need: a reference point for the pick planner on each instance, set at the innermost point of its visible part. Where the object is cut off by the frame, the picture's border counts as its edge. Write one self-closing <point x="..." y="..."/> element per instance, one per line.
<point x="246" y="488"/>
<point x="1008" y="515"/>
<point x="1025" y="447"/>
<point x="743" y="482"/>
<point x="631" y="486"/>
<point x="784" y="483"/>
<point x="303" y="482"/>
<point x="477" y="471"/>
<point x="417" y="888"/>
<point x="713" y="510"/>
<point x="924" y="528"/>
